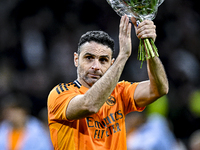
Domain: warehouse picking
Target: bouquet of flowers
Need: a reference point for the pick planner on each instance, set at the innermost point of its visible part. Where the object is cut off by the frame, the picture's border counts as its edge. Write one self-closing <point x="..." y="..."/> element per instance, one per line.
<point x="141" y="10"/>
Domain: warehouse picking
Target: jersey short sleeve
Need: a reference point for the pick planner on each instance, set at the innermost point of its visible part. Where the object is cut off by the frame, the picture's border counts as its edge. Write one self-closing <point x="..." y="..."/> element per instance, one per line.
<point x="128" y="96"/>
<point x="58" y="101"/>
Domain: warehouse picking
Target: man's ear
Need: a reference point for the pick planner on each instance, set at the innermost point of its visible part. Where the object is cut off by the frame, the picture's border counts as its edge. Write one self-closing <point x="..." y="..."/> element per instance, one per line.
<point x="112" y="61"/>
<point x="75" y="59"/>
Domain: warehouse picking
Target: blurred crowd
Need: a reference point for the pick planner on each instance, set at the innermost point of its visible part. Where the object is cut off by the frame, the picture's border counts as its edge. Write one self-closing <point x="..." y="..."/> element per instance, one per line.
<point x="38" y="39"/>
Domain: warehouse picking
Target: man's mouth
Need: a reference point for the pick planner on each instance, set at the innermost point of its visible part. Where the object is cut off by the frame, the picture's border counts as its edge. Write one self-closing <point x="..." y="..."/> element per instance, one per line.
<point x="94" y="75"/>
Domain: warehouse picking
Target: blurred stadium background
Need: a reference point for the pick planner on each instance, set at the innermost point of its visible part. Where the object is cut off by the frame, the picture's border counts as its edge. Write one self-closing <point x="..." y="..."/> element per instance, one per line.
<point x="38" y="39"/>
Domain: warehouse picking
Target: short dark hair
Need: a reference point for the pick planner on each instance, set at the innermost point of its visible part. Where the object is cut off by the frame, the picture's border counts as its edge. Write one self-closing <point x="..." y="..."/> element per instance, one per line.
<point x="97" y="36"/>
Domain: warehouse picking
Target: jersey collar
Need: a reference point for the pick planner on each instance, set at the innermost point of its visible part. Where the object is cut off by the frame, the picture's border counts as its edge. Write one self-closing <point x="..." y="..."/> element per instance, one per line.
<point x="80" y="86"/>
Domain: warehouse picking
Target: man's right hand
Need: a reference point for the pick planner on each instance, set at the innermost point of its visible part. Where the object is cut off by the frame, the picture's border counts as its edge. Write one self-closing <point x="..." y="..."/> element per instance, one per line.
<point x="125" y="36"/>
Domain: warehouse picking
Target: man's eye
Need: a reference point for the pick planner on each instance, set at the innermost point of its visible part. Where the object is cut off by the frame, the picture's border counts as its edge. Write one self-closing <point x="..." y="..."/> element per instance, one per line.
<point x="89" y="57"/>
<point x="103" y="60"/>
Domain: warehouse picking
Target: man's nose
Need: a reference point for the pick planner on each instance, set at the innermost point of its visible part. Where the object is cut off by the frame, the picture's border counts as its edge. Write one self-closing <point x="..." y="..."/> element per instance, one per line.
<point x="96" y="64"/>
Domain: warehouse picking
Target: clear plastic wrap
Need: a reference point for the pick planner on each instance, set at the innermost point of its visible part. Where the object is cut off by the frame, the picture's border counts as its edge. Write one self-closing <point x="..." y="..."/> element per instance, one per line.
<point x="141" y="10"/>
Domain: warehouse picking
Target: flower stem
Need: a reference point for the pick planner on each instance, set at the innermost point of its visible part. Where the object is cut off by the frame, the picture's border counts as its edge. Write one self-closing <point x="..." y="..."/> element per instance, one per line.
<point x="149" y="48"/>
<point x="154" y="47"/>
<point x="146" y="50"/>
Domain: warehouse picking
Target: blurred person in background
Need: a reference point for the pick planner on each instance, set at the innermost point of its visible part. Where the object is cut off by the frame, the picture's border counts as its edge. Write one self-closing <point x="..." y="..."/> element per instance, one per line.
<point x="150" y="132"/>
<point x="194" y="140"/>
<point x="18" y="129"/>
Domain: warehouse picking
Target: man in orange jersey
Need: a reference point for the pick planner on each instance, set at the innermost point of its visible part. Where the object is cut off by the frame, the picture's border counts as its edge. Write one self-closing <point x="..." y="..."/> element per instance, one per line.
<point x="89" y="113"/>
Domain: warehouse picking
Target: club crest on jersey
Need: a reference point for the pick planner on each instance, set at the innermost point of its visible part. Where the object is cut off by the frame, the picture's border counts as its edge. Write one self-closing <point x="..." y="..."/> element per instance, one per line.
<point x="111" y="101"/>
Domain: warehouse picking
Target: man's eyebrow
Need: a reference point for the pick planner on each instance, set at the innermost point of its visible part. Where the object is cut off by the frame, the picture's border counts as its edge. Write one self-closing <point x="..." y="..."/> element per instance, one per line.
<point x="107" y="56"/>
<point x="89" y="54"/>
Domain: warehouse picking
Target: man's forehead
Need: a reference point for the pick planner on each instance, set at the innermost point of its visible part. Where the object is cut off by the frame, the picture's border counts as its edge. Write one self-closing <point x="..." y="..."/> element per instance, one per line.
<point x="95" y="48"/>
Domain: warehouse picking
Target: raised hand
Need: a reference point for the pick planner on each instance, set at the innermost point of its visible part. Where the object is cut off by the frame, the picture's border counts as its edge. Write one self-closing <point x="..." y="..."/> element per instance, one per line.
<point x="125" y="36"/>
<point x="146" y="29"/>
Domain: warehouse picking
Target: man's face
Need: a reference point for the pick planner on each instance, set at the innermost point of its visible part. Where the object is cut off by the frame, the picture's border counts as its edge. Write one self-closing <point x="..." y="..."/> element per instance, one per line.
<point x="92" y="62"/>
